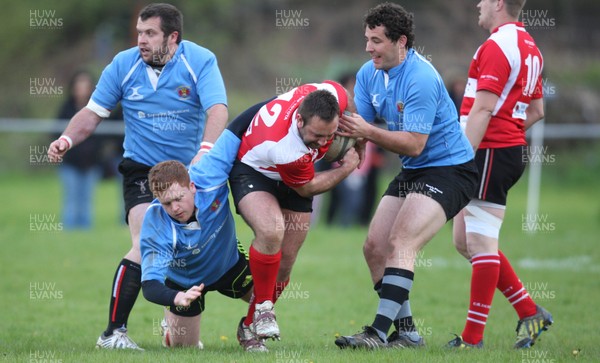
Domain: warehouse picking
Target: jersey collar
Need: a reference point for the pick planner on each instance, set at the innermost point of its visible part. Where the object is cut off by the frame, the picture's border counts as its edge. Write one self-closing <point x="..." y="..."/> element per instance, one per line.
<point x="393" y="72"/>
<point x="517" y="23"/>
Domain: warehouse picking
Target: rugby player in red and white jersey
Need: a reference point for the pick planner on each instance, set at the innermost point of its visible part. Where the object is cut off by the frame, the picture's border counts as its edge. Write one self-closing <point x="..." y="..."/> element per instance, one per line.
<point x="502" y="99"/>
<point x="273" y="181"/>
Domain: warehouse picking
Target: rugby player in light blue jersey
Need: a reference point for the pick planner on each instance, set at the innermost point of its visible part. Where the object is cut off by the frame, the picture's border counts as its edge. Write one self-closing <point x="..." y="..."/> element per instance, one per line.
<point x="438" y="176"/>
<point x="188" y="242"/>
<point x="174" y="107"/>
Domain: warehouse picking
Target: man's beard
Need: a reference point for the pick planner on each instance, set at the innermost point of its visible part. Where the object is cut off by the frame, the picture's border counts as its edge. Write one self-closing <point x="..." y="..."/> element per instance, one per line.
<point x="159" y="56"/>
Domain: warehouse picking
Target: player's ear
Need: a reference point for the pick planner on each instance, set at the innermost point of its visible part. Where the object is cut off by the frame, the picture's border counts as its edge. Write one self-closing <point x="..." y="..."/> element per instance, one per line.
<point x="192" y="187"/>
<point x="299" y="120"/>
<point x="174" y="35"/>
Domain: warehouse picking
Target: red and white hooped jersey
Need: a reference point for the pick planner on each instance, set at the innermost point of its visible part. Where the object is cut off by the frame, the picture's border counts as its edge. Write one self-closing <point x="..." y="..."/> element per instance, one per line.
<point x="272" y="144"/>
<point x="508" y="64"/>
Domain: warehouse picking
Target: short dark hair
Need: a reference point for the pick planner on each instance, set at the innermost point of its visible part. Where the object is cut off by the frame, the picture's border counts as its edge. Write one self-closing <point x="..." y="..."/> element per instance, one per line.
<point x="395" y="19"/>
<point x="320" y="103"/>
<point x="171" y="19"/>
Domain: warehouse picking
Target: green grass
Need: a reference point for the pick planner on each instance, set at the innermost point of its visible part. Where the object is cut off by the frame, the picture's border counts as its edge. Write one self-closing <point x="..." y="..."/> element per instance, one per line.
<point x="55" y="287"/>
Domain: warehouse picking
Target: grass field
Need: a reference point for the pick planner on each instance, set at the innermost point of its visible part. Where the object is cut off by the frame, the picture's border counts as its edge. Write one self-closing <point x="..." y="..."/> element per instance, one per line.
<point x="55" y="287"/>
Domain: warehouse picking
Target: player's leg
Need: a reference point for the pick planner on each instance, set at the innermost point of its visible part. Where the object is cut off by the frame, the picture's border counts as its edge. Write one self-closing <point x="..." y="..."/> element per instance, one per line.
<point x="499" y="169"/>
<point x="127" y="279"/>
<point x="254" y="199"/>
<point x="405" y="334"/>
<point x="376" y="247"/>
<point x="181" y="331"/>
<point x="459" y="236"/>
<point x="297" y="225"/>
<point x="237" y="283"/>
<point x="417" y="221"/>
<point x="482" y="223"/>
<point x="267" y="224"/>
<point x="180" y="326"/>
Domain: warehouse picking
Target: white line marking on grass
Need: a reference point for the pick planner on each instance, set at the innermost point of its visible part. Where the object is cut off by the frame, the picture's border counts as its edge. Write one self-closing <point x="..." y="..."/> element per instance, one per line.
<point x="572" y="263"/>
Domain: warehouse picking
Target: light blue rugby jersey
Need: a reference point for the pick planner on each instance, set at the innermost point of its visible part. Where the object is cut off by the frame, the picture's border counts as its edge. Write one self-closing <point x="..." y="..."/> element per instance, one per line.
<point x="164" y="116"/>
<point x="190" y="254"/>
<point x="412" y="97"/>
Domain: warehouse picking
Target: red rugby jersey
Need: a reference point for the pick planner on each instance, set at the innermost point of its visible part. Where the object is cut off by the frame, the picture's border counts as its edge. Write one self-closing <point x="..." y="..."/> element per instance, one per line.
<point x="508" y="64"/>
<point x="272" y="144"/>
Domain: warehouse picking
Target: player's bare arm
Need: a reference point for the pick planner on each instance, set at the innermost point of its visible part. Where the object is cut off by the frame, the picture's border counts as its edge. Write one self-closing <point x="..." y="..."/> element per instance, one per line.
<point x="216" y="120"/>
<point x="399" y="142"/>
<point x="185" y="298"/>
<point x="534" y="112"/>
<point x="479" y="117"/>
<point x="81" y="126"/>
<point x="326" y="180"/>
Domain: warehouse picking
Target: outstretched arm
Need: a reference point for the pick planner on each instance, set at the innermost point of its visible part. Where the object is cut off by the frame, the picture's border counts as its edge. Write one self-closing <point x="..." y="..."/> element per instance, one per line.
<point x="81" y="126"/>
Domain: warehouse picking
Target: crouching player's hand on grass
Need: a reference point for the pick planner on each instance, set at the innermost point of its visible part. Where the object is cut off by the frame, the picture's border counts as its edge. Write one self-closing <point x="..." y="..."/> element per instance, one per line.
<point x="185" y="298"/>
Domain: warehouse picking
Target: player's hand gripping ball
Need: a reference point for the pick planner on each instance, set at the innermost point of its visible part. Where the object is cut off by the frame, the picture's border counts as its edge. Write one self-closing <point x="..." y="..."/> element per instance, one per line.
<point x="338" y="147"/>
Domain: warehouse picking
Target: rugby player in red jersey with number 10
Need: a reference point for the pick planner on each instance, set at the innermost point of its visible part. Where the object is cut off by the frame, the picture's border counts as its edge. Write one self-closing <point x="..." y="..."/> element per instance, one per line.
<point x="503" y="98"/>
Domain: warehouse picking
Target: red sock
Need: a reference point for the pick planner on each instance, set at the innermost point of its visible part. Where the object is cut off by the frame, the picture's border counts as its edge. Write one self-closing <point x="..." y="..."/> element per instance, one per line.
<point x="512" y="288"/>
<point x="279" y="287"/>
<point x="484" y="279"/>
<point x="264" y="270"/>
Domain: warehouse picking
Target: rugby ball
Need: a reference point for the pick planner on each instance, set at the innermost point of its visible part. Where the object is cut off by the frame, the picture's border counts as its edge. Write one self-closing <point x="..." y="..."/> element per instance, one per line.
<point x="338" y="147"/>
